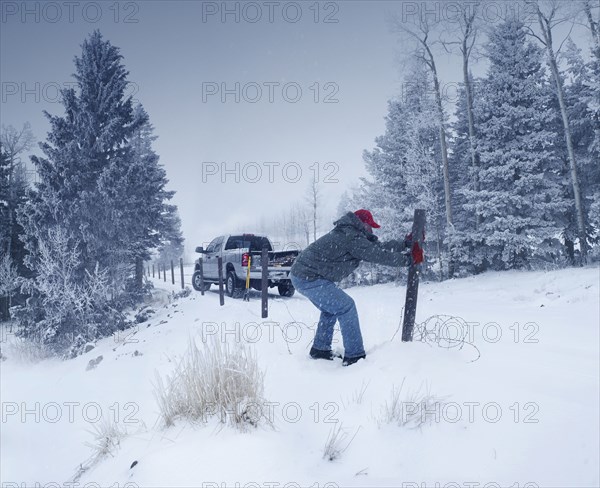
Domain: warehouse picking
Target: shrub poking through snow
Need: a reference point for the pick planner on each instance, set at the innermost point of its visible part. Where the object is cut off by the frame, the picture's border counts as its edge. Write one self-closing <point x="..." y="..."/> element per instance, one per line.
<point x="336" y="442"/>
<point x="107" y="435"/>
<point x="107" y="438"/>
<point x="415" y="410"/>
<point x="214" y="380"/>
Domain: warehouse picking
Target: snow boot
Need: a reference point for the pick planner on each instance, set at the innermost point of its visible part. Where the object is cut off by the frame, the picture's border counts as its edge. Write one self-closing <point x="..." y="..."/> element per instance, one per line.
<point x="319" y="354"/>
<point x="348" y="361"/>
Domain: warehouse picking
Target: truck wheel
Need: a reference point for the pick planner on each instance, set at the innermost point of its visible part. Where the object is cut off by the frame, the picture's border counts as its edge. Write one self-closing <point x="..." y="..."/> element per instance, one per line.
<point x="233" y="286"/>
<point x="286" y="289"/>
<point x="196" y="282"/>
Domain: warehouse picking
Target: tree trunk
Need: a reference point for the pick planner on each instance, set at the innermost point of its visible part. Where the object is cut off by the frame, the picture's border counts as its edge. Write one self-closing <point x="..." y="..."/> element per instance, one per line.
<point x="593" y="28"/>
<point x="471" y="123"/>
<point x="444" y="148"/>
<point x="139" y="273"/>
<point x="547" y="33"/>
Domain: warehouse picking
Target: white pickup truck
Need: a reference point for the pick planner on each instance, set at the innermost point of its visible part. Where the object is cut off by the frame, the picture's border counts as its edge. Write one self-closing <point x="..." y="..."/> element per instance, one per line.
<point x="236" y="250"/>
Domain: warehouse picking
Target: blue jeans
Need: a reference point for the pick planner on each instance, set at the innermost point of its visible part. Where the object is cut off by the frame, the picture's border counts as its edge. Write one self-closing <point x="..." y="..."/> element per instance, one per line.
<point x="334" y="305"/>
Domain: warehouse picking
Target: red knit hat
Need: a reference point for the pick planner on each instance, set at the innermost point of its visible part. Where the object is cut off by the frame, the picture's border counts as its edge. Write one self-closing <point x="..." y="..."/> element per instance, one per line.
<point x="366" y="217"/>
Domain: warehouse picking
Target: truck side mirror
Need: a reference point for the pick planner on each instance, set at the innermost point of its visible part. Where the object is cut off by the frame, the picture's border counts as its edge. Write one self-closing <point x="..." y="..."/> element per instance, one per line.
<point x="200" y="250"/>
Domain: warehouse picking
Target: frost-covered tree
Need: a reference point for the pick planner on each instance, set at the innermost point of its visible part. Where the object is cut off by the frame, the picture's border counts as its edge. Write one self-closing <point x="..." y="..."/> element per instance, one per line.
<point x="406" y="166"/>
<point x="100" y="198"/>
<point x="65" y="312"/>
<point x="7" y="268"/>
<point x="4" y="200"/>
<point x="144" y="220"/>
<point x="550" y="15"/>
<point x="396" y="162"/>
<point x="13" y="194"/>
<point x="13" y="190"/>
<point x="464" y="164"/>
<point x="172" y="246"/>
<point x="583" y="101"/>
<point x="520" y="197"/>
<point x="423" y="34"/>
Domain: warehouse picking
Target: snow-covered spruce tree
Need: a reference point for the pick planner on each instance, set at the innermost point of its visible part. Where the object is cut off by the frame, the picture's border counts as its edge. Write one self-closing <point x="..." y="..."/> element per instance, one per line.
<point x="144" y="221"/>
<point x="520" y="199"/>
<point x="405" y="165"/>
<point x="463" y="177"/>
<point x="97" y="198"/>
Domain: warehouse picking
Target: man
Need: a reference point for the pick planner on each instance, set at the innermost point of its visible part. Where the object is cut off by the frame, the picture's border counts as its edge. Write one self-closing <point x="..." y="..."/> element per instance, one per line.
<point x="333" y="257"/>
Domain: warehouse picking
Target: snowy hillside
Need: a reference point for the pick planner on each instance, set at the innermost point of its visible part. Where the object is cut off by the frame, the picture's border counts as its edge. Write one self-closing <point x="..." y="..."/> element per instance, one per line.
<point x="522" y="406"/>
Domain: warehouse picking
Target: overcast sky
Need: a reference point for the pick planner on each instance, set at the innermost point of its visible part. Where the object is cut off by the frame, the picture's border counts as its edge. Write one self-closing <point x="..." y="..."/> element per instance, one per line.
<point x="324" y="70"/>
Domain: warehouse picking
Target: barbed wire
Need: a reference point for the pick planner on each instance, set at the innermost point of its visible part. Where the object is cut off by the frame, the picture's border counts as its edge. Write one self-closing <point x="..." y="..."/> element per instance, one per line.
<point x="435" y="330"/>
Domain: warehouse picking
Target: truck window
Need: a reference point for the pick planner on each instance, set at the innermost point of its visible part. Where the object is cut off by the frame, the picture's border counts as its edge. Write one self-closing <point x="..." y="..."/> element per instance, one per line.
<point x="255" y="243"/>
<point x="214" y="245"/>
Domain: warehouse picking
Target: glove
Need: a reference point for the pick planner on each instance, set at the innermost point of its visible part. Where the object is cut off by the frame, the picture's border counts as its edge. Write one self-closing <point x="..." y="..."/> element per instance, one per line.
<point x="393" y="245"/>
<point x="417" y="253"/>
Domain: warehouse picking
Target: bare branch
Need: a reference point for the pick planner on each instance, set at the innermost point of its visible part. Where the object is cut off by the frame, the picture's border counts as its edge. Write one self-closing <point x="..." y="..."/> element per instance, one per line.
<point x="15" y="142"/>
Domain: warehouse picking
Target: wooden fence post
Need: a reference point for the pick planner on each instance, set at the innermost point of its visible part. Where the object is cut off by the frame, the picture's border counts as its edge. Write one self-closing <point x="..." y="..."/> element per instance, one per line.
<point x="172" y="273"/>
<point x="221" y="291"/>
<point x="181" y="268"/>
<point x="264" y="295"/>
<point x="412" y="285"/>
<point x="200" y="265"/>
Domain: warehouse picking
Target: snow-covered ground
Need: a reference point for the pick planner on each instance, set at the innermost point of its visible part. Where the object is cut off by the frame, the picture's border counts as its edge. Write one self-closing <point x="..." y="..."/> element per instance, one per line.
<point x="526" y="411"/>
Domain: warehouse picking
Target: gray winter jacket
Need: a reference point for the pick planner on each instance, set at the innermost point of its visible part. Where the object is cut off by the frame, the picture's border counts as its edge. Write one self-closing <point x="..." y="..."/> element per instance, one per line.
<point x="339" y="252"/>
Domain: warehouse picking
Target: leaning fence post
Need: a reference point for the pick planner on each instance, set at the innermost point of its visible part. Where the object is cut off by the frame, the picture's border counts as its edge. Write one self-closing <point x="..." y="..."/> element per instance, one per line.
<point x="264" y="295"/>
<point x="412" y="285"/>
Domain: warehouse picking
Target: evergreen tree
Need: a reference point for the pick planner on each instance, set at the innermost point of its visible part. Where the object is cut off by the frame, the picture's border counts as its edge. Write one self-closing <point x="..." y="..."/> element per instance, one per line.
<point x="99" y="208"/>
<point x="5" y="259"/>
<point x="463" y="177"/>
<point x="143" y="220"/>
<point x="405" y="165"/>
<point x="172" y="247"/>
<point x="4" y="200"/>
<point x="520" y="198"/>
<point x="463" y="169"/>
<point x="405" y="160"/>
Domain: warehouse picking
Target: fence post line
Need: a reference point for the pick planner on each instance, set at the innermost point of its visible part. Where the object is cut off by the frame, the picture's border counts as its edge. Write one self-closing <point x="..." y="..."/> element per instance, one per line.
<point x="172" y="273"/>
<point x="152" y="270"/>
<point x="164" y="272"/>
